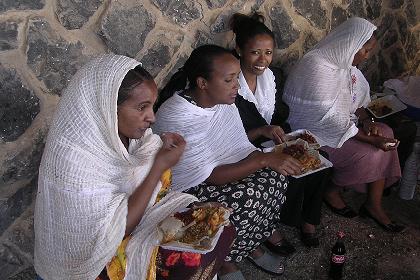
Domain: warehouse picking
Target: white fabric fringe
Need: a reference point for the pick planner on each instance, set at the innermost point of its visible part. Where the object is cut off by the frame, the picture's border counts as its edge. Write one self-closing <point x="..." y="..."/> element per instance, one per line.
<point x="86" y="177"/>
<point x="318" y="90"/>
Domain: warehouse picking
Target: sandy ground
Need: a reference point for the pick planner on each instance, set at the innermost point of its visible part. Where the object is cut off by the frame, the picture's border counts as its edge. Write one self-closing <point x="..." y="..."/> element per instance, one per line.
<point x="371" y="252"/>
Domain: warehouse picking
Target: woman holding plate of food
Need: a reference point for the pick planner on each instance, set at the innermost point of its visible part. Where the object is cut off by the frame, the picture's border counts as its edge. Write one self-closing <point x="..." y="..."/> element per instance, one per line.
<point x="103" y="181"/>
<point x="219" y="163"/>
<point x="322" y="98"/>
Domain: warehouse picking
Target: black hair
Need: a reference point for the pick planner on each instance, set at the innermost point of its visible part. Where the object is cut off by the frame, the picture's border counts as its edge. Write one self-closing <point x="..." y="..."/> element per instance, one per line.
<point x="199" y="64"/>
<point x="247" y="27"/>
<point x="133" y="78"/>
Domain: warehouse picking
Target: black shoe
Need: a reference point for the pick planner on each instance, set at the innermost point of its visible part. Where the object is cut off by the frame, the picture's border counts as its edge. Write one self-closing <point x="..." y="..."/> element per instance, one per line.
<point x="309" y="239"/>
<point x="391" y="227"/>
<point x="346" y="212"/>
<point x="282" y="248"/>
<point x="387" y="192"/>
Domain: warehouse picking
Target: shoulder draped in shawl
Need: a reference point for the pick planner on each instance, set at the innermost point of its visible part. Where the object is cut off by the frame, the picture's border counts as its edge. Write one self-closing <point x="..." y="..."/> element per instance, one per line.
<point x="318" y="89"/>
<point x="215" y="136"/>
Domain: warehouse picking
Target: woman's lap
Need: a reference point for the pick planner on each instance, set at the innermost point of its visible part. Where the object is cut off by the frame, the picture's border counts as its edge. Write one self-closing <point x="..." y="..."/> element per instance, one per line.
<point x="357" y="163"/>
<point x="176" y="265"/>
<point x="256" y="202"/>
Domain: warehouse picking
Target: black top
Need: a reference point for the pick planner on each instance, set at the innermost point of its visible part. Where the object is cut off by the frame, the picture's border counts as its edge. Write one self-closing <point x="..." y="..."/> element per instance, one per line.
<point x="252" y="119"/>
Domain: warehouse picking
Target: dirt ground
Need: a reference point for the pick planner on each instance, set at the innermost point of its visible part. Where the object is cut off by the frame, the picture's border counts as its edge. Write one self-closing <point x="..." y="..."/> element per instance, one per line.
<point x="371" y="252"/>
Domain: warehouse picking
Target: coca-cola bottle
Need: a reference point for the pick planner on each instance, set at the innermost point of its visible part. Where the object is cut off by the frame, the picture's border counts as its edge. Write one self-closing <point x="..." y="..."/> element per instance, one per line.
<point x="337" y="258"/>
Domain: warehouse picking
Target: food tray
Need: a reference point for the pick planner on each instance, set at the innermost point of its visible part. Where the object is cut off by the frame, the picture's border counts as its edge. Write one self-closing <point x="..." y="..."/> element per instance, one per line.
<point x="294" y="134"/>
<point x="389" y="100"/>
<point x="313" y="148"/>
<point x="325" y="163"/>
<point x="268" y="146"/>
<point x="183" y="247"/>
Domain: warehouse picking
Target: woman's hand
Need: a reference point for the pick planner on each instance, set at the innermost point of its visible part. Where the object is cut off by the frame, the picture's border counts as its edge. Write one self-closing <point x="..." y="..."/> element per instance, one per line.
<point x="371" y="128"/>
<point x="171" y="151"/>
<point x="385" y="144"/>
<point x="274" y="133"/>
<point x="283" y="163"/>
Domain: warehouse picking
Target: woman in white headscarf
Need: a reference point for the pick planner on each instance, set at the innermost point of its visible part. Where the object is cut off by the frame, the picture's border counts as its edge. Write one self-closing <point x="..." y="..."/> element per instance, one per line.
<point x="321" y="97"/>
<point x="219" y="163"/>
<point x="101" y="173"/>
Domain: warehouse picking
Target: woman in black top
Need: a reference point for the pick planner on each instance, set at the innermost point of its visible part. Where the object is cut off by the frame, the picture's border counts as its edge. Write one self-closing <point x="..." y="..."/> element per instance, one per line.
<point x="264" y="116"/>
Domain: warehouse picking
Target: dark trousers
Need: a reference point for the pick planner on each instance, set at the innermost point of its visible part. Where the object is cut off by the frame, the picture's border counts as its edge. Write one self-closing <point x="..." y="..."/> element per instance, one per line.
<point x="304" y="199"/>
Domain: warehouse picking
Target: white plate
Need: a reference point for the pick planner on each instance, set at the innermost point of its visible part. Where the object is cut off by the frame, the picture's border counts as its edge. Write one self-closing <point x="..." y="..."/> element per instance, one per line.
<point x="268" y="146"/>
<point x="389" y="100"/>
<point x="325" y="163"/>
<point x="183" y="247"/>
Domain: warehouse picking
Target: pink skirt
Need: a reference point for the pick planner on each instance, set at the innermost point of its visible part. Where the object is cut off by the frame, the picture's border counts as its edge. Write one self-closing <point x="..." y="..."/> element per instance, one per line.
<point x="358" y="163"/>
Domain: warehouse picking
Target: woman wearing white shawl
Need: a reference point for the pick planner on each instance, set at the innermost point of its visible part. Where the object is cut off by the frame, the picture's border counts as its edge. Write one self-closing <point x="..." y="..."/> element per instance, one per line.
<point x="321" y="97"/>
<point x="219" y="162"/>
<point x="100" y="174"/>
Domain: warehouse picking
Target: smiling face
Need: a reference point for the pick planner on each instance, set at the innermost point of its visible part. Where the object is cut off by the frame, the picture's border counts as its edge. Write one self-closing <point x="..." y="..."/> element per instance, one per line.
<point x="257" y="54"/>
<point x="135" y="114"/>
<point x="222" y="86"/>
<point x="364" y="53"/>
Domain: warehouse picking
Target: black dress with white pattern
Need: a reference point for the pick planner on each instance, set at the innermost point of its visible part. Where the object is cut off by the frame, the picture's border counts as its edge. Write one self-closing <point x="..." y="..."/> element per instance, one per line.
<point x="256" y="202"/>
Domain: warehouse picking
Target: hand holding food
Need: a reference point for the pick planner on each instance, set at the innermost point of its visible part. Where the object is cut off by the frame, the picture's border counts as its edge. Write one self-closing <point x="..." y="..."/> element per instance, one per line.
<point x="303" y="148"/>
<point x="274" y="133"/>
<point x="171" y="151"/>
<point x="385" y="144"/>
<point x="283" y="163"/>
<point x="371" y="128"/>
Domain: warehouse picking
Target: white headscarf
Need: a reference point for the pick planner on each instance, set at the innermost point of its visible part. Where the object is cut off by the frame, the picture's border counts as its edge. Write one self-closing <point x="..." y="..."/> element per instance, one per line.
<point x="264" y="98"/>
<point x="214" y="136"/>
<point x="360" y="92"/>
<point x="318" y="91"/>
<point x="86" y="177"/>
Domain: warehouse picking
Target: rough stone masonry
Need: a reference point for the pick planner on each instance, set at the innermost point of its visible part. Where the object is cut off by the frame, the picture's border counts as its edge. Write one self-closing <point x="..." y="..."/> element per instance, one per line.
<point x="44" y="42"/>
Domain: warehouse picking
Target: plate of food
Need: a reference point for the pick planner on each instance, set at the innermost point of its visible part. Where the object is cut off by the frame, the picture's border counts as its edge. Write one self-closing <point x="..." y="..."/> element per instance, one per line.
<point x="303" y="146"/>
<point x="194" y="230"/>
<point x="303" y="134"/>
<point x="385" y="106"/>
<point x="306" y="136"/>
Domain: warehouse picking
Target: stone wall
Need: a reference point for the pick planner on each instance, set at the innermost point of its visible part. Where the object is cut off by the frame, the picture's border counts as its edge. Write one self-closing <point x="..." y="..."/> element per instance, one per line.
<point x="44" y="42"/>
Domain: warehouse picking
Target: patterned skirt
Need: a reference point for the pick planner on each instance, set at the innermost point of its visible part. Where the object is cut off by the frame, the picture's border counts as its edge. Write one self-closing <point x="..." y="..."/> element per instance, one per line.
<point x="256" y="203"/>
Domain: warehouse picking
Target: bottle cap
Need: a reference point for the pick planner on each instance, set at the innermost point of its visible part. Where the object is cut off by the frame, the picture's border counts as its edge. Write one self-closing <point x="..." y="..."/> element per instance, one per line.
<point x="341" y="234"/>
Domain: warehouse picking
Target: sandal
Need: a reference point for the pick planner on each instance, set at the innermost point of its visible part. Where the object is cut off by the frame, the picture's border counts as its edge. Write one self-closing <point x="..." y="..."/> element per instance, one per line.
<point x="282" y="248"/>
<point x="346" y="212"/>
<point x="235" y="275"/>
<point x="269" y="263"/>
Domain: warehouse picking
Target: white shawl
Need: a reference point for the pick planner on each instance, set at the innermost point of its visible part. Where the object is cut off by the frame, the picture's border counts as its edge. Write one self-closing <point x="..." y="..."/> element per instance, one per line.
<point x="85" y="179"/>
<point x="318" y="91"/>
<point x="265" y="93"/>
<point x="214" y="136"/>
<point x="360" y="92"/>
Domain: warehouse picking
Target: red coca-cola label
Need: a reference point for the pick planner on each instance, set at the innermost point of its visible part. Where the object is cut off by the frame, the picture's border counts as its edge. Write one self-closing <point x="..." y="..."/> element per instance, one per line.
<point x="338" y="258"/>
